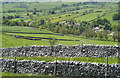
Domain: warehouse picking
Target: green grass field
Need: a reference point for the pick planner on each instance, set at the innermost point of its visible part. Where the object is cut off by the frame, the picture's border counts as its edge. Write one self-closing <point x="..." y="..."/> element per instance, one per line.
<point x="84" y="59"/>
<point x="10" y="41"/>
<point x="32" y="5"/>
<point x="89" y="17"/>
<point x="45" y="6"/>
<point x="109" y="17"/>
<point x="23" y="29"/>
<point x="14" y="74"/>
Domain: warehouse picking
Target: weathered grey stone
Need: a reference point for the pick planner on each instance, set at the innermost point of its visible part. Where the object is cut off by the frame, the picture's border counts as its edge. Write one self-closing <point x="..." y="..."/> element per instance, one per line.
<point x="66" y="51"/>
<point x="64" y="68"/>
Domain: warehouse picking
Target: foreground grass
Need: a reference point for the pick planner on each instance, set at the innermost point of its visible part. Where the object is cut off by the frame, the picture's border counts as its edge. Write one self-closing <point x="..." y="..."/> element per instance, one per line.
<point x="14" y="74"/>
<point x="83" y="59"/>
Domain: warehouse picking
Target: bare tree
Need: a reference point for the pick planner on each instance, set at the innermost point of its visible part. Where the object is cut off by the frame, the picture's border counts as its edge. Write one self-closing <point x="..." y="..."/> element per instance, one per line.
<point x="52" y="42"/>
<point x="15" y="55"/>
<point x="25" y="50"/>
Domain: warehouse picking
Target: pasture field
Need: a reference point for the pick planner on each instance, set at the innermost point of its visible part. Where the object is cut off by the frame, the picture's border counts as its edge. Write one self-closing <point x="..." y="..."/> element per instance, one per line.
<point x="10" y="41"/>
<point x="89" y="17"/>
<point x="14" y="74"/>
<point x="46" y="6"/>
<point x="83" y="59"/>
<point x="32" y="5"/>
<point x="109" y="17"/>
<point x="23" y="29"/>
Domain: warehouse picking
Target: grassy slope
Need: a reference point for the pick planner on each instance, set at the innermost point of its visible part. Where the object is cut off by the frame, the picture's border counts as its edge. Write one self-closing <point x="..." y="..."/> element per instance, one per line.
<point x="90" y="41"/>
<point x="46" y="5"/>
<point x="31" y="6"/>
<point x="89" y="17"/>
<point x="23" y="29"/>
<point x="9" y="41"/>
<point x="109" y="17"/>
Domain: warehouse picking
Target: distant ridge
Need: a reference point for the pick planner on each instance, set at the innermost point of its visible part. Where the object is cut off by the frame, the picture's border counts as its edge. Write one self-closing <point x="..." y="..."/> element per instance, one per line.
<point x="59" y="0"/>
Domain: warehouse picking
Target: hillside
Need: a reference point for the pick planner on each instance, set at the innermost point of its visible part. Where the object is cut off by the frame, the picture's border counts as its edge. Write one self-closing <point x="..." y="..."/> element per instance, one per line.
<point x="11" y="41"/>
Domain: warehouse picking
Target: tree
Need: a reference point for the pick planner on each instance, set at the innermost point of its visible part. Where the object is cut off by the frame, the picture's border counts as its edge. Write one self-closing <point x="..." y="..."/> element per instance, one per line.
<point x="52" y="12"/>
<point x="115" y="36"/>
<point x="42" y="21"/>
<point x="63" y="31"/>
<point x="56" y="29"/>
<point x="72" y="21"/>
<point x="91" y="11"/>
<point x="115" y="17"/>
<point x="15" y="55"/>
<point x="100" y="34"/>
<point x="37" y="14"/>
<point x="98" y="16"/>
<point x="107" y="27"/>
<point x="27" y="14"/>
<point x="52" y="42"/>
<point x="4" y="22"/>
<point x="34" y="13"/>
<point x="16" y="16"/>
<point x="77" y="32"/>
<point x="100" y="21"/>
<point x="64" y="5"/>
<point x="35" y="9"/>
<point x="88" y="32"/>
<point x="31" y="16"/>
<point x="105" y="34"/>
<point x="118" y="38"/>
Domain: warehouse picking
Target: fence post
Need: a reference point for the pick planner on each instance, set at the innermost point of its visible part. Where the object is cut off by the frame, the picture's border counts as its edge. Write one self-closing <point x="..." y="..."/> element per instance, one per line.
<point x="15" y="61"/>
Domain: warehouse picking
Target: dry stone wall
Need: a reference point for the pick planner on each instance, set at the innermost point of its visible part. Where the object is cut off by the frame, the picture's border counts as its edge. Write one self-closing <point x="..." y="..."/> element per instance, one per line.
<point x="66" y="51"/>
<point x="64" y="68"/>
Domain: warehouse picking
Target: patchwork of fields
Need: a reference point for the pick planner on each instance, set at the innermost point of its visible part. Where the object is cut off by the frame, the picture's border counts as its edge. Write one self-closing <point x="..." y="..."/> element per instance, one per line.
<point x="36" y="21"/>
<point x="11" y="41"/>
<point x="103" y="7"/>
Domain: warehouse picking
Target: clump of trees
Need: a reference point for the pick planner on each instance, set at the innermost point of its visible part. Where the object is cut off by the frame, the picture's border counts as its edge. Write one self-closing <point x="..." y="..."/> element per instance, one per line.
<point x="64" y="5"/>
<point x="116" y="17"/>
<point x="88" y="32"/>
<point x="10" y="17"/>
<point x="115" y="36"/>
<point x="14" y="23"/>
<point x="52" y="12"/>
<point x="102" y="35"/>
<point x="104" y="22"/>
<point x="64" y="29"/>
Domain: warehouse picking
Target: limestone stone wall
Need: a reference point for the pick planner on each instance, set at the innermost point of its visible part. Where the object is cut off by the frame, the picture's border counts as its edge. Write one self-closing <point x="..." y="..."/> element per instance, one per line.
<point x="64" y="68"/>
<point x="66" y="51"/>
